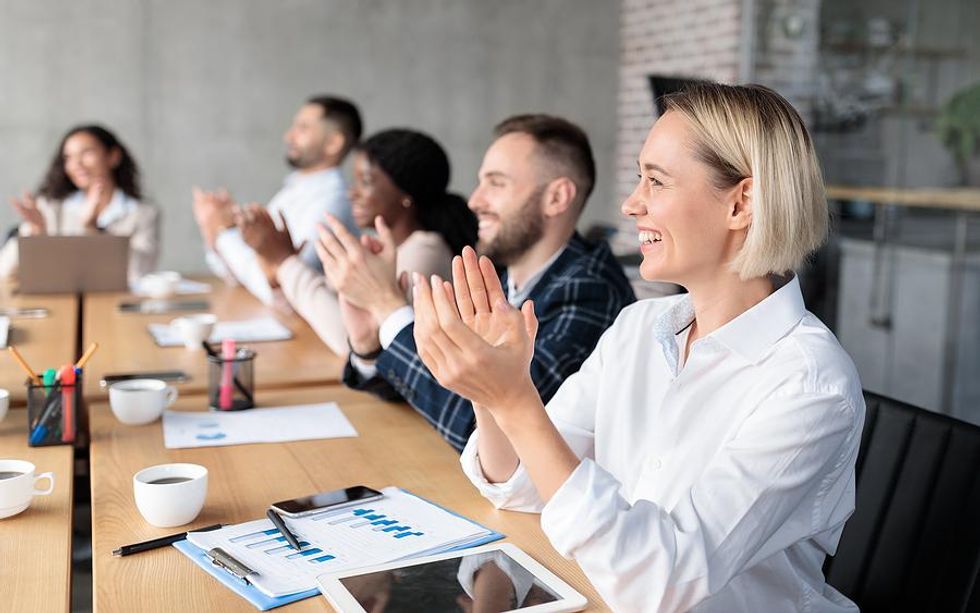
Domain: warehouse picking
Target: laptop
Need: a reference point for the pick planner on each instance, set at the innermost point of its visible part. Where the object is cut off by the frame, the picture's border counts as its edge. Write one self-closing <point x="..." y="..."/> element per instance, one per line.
<point x="63" y="264"/>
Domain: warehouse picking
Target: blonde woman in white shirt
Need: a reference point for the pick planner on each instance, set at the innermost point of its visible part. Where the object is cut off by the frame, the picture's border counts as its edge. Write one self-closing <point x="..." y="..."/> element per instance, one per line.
<point x="92" y="185"/>
<point x="703" y="457"/>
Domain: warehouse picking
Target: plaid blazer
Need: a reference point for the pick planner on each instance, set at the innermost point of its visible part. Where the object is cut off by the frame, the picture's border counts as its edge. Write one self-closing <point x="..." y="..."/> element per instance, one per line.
<point x="575" y="300"/>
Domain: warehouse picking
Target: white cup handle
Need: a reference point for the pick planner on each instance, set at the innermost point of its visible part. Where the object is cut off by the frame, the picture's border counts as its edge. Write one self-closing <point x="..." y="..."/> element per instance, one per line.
<point x="50" y="478"/>
<point x="171" y="395"/>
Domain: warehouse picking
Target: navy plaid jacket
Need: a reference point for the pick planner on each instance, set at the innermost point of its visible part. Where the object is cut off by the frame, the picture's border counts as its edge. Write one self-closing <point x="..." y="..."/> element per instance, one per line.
<point x="575" y="300"/>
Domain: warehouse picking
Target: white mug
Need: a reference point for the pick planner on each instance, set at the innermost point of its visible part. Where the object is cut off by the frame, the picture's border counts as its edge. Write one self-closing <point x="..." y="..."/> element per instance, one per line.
<point x="140" y="401"/>
<point x="194" y="329"/>
<point x="169" y="495"/>
<point x="17" y="486"/>
<point x="4" y="403"/>
<point x="162" y="284"/>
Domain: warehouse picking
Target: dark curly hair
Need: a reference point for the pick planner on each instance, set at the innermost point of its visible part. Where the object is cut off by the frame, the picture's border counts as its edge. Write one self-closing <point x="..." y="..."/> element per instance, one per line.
<point x="57" y="186"/>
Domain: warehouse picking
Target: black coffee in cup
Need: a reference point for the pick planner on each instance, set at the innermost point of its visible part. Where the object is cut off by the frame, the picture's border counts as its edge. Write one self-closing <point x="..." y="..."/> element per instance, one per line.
<point x="9" y="474"/>
<point x="166" y="480"/>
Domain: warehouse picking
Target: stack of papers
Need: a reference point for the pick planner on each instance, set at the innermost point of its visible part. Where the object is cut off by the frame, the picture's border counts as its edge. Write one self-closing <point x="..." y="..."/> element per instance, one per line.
<point x="247" y="331"/>
<point x="396" y="527"/>
<point x="182" y="429"/>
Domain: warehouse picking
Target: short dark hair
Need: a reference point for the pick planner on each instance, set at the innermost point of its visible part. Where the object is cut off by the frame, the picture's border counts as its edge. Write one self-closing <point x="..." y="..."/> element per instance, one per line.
<point x="344" y="113"/>
<point x="561" y="142"/>
<point x="57" y="186"/>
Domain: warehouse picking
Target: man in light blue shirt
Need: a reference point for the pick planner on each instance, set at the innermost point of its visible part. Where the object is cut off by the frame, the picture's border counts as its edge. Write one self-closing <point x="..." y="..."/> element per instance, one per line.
<point x="323" y="131"/>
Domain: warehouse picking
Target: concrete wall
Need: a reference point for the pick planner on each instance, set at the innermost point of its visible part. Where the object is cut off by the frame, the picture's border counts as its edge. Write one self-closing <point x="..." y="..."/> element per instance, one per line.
<point x="202" y="91"/>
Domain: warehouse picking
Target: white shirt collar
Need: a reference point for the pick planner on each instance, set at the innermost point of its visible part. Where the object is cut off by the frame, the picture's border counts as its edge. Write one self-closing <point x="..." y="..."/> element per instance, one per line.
<point x="119" y="206"/>
<point x="749" y="335"/>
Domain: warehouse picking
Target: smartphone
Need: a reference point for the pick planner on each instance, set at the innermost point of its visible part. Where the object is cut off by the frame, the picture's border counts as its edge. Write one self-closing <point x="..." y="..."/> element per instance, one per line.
<point x="307" y="505"/>
<point x="163" y="306"/>
<point x="165" y="375"/>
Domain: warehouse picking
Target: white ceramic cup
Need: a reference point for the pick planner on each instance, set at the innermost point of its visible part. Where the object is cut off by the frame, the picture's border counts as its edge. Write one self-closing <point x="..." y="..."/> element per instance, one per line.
<point x="17" y="492"/>
<point x="161" y="284"/>
<point x="170" y="504"/>
<point x="4" y="403"/>
<point x="140" y="401"/>
<point x="194" y="329"/>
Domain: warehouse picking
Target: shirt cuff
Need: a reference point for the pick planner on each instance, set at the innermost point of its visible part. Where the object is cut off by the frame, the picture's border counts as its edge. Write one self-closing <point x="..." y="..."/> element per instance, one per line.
<point x="394" y="324"/>
<point x="517" y="493"/>
<point x="582" y="507"/>
<point x="366" y="369"/>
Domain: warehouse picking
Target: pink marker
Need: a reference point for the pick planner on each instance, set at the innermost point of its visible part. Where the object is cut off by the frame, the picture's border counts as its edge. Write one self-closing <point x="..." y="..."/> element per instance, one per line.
<point x="226" y="391"/>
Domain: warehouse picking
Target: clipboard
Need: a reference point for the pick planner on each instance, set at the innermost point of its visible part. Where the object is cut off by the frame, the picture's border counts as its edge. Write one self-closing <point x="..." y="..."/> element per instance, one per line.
<point x="263" y="602"/>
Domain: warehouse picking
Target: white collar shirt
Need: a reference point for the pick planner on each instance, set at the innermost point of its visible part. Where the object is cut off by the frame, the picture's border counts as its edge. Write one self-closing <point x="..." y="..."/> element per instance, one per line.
<point x="715" y="483"/>
<point x="120" y="206"/>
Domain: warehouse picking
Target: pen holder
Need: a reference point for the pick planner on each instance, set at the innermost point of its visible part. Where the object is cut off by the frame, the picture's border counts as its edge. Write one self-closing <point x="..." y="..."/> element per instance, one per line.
<point x="231" y="382"/>
<point x="52" y="413"/>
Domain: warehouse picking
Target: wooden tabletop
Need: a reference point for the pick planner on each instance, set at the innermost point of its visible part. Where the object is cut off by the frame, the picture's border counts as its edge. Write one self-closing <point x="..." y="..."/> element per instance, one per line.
<point x="125" y="345"/>
<point x="395" y="447"/>
<point x="35" y="545"/>
<point x="47" y="342"/>
<point x="963" y="198"/>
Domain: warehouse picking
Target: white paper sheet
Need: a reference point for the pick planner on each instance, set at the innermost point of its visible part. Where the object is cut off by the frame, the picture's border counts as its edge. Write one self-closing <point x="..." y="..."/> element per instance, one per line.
<point x="183" y="429"/>
<point x="246" y="331"/>
<point x="185" y="287"/>
<point x="4" y="330"/>
<point x="396" y="527"/>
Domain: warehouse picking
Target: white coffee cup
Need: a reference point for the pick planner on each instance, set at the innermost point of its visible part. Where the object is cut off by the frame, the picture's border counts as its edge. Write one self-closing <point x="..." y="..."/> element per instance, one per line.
<point x="140" y="401"/>
<point x="161" y="284"/>
<point x="16" y="492"/>
<point x="177" y="496"/>
<point x="4" y="403"/>
<point x="194" y="329"/>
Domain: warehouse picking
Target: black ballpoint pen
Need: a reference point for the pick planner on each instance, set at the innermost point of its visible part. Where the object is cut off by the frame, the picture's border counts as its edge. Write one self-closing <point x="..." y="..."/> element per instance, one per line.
<point x="163" y="541"/>
<point x="281" y="526"/>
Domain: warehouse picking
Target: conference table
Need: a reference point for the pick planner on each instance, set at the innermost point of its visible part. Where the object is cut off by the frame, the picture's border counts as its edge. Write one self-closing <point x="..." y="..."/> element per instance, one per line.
<point x="35" y="545"/>
<point x="125" y="344"/>
<point x="395" y="446"/>
<point x="44" y="342"/>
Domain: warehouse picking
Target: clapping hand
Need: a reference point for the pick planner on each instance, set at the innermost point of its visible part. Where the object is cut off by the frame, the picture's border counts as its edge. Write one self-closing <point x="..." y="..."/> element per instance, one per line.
<point x="471" y="339"/>
<point x="26" y="207"/>
<point x="271" y="244"/>
<point x="362" y="271"/>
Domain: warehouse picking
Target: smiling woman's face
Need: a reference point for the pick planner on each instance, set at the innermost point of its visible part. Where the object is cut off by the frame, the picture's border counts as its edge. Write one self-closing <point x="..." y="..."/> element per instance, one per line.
<point x="87" y="160"/>
<point x="682" y="220"/>
<point x="373" y="193"/>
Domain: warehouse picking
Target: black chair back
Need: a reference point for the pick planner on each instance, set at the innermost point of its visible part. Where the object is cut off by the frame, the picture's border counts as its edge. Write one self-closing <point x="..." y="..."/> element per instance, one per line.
<point x="913" y="543"/>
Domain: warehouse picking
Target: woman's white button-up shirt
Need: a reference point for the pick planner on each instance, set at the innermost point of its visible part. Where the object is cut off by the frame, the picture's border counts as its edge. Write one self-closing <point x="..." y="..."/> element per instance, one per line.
<point x="718" y="482"/>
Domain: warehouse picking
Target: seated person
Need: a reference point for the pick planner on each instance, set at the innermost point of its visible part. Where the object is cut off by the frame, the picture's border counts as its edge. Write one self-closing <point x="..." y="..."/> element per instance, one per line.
<point x="323" y="131"/>
<point x="533" y="184"/>
<point x="703" y="457"/>
<point x="91" y="186"/>
<point x="399" y="187"/>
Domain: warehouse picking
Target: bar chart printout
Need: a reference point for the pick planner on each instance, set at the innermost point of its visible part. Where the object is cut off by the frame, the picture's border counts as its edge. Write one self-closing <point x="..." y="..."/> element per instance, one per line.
<point x="397" y="526"/>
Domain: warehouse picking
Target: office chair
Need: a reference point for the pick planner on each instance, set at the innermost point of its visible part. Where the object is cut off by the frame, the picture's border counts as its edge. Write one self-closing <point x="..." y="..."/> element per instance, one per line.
<point x="913" y="543"/>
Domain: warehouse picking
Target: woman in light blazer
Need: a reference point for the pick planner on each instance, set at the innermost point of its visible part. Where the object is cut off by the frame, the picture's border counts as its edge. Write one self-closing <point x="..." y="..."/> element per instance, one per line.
<point x="91" y="186"/>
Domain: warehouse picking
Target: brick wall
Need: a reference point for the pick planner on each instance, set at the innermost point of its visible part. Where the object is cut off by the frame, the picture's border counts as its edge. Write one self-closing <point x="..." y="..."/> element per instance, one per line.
<point x="686" y="38"/>
<point x="776" y="45"/>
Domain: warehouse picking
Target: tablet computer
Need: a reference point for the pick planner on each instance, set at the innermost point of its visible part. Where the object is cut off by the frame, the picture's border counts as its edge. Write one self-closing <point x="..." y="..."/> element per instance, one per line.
<point x="498" y="577"/>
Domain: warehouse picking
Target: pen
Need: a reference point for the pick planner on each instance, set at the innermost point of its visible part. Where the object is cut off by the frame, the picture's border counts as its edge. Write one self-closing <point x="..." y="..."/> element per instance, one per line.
<point x="281" y="526"/>
<point x="163" y="541"/>
<point x="225" y="391"/>
<point x="23" y="364"/>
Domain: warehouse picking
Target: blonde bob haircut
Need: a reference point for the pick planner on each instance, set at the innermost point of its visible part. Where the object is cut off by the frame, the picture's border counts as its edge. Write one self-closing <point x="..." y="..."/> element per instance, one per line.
<point x="751" y="131"/>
